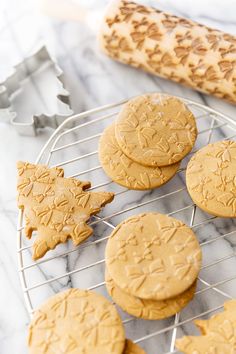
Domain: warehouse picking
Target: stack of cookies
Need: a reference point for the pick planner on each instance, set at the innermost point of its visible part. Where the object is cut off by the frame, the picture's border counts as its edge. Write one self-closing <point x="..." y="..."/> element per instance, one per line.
<point x="152" y="263"/>
<point x="144" y="147"/>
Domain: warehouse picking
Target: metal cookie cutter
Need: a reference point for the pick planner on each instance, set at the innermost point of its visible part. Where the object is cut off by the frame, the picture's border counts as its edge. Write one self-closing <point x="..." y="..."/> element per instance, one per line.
<point x="34" y="95"/>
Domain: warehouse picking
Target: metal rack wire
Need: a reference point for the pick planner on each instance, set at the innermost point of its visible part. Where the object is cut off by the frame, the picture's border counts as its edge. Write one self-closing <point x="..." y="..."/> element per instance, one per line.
<point x="73" y="146"/>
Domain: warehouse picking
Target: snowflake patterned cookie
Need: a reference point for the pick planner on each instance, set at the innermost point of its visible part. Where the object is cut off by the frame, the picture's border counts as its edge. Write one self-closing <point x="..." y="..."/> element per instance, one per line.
<point x="211" y="178"/>
<point x="57" y="207"/>
<point x="153" y="256"/>
<point x="127" y="172"/>
<point x="76" y="322"/>
<point x="148" y="309"/>
<point x="155" y="130"/>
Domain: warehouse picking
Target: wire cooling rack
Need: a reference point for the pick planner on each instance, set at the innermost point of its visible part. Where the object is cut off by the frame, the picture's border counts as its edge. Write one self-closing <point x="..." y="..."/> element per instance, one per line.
<point x="73" y="146"/>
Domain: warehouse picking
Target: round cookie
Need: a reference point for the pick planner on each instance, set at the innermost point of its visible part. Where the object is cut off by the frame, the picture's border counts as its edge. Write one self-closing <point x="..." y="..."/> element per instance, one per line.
<point x="131" y="348"/>
<point x="155" y="129"/>
<point x="211" y="178"/>
<point x="153" y="256"/>
<point x="76" y="321"/>
<point x="148" y="309"/>
<point x="126" y="172"/>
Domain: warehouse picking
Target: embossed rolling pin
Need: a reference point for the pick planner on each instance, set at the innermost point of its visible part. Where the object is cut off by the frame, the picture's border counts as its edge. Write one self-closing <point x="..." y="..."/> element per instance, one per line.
<point x="171" y="47"/>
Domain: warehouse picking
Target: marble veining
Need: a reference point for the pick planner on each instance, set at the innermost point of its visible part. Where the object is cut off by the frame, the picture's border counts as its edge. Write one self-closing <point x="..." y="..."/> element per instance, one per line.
<point x="93" y="80"/>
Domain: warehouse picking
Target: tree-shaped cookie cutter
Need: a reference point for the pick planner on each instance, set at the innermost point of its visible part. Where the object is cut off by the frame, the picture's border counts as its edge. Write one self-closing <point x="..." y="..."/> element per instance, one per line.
<point x="12" y="86"/>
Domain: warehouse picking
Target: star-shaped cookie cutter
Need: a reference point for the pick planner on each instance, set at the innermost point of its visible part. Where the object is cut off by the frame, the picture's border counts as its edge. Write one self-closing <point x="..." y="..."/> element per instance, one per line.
<point x="12" y="85"/>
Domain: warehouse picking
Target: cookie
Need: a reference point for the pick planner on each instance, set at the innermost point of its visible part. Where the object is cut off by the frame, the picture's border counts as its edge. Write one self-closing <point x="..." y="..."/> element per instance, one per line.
<point x="126" y="172"/>
<point x="148" y="309"/>
<point x="211" y="178"/>
<point x="131" y="348"/>
<point x="153" y="256"/>
<point x="155" y="129"/>
<point x="58" y="208"/>
<point x="209" y="344"/>
<point x="223" y="322"/>
<point x="219" y="333"/>
<point x="78" y="322"/>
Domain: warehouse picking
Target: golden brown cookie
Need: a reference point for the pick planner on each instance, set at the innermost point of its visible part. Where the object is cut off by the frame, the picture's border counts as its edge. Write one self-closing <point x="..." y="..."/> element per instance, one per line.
<point x="77" y="322"/>
<point x="211" y="178"/>
<point x="148" y="309"/>
<point x="221" y="323"/>
<point x="219" y="333"/>
<point x="127" y="172"/>
<point x="155" y="129"/>
<point x="209" y="344"/>
<point x="58" y="208"/>
<point x="153" y="256"/>
<point x="131" y="348"/>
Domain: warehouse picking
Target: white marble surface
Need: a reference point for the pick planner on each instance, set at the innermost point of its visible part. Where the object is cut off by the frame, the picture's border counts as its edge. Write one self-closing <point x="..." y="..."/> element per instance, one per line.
<point x="93" y="80"/>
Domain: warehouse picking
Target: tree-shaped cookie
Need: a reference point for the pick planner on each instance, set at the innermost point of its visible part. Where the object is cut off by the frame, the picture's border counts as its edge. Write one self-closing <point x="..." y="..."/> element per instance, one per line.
<point x="219" y="334"/>
<point x="57" y="207"/>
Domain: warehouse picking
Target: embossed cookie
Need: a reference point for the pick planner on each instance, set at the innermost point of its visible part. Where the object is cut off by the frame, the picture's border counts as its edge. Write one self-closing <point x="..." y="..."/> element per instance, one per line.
<point x="209" y="344"/>
<point x="221" y="323"/>
<point x="148" y="309"/>
<point x="58" y="208"/>
<point x="219" y="333"/>
<point x="127" y="172"/>
<point x="211" y="178"/>
<point x="76" y="321"/>
<point x="131" y="348"/>
<point x="155" y="129"/>
<point x="153" y="256"/>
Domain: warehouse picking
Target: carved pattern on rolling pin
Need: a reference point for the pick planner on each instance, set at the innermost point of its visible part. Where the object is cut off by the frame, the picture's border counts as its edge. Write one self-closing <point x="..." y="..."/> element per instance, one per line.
<point x="171" y="47"/>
